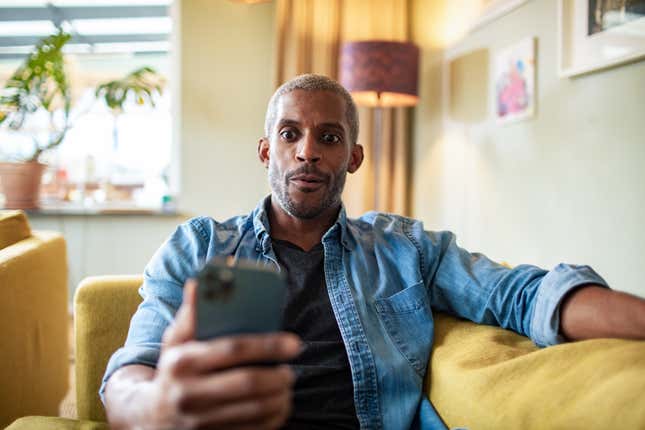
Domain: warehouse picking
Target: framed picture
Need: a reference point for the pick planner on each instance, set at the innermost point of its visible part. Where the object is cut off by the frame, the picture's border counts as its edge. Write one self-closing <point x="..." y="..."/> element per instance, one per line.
<point x="514" y="81"/>
<point x="598" y="34"/>
<point x="490" y="10"/>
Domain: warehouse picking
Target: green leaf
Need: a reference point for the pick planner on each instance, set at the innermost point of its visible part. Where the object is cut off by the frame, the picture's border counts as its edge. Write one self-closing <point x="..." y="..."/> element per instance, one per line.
<point x="40" y="82"/>
<point x="144" y="84"/>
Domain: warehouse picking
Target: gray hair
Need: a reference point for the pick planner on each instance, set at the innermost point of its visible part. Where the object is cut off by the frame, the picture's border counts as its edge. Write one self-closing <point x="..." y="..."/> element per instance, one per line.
<point x="312" y="82"/>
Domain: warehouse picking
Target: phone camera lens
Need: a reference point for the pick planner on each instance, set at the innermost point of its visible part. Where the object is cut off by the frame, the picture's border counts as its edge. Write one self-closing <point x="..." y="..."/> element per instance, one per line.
<point x="218" y="283"/>
<point x="226" y="281"/>
<point x="210" y="280"/>
<point x="226" y="276"/>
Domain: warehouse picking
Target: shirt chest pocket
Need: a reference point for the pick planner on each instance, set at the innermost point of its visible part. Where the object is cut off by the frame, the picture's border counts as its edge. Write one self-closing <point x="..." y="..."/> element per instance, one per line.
<point x="407" y="318"/>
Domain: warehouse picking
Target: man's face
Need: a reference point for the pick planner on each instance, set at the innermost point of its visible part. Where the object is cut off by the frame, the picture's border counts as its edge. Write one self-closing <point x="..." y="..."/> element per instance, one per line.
<point x="308" y="152"/>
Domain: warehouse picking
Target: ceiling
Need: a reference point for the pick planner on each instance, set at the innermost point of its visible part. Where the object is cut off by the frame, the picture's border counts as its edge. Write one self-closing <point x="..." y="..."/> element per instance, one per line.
<point x="136" y="27"/>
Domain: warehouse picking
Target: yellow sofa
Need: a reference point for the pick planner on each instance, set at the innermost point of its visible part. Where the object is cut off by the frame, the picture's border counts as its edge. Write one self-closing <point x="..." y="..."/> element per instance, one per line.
<point x="34" y="319"/>
<point x="103" y="306"/>
<point x="482" y="377"/>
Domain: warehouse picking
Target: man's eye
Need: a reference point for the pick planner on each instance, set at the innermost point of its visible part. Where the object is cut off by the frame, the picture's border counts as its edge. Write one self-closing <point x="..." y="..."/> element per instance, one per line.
<point x="288" y="134"/>
<point x="330" y="138"/>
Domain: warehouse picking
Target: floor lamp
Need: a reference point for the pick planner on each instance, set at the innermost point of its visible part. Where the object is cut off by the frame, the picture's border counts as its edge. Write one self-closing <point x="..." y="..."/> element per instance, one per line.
<point x="380" y="74"/>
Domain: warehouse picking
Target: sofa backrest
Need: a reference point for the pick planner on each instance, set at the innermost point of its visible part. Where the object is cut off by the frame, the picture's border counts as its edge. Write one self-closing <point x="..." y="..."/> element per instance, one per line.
<point x="103" y="307"/>
<point x="14" y="227"/>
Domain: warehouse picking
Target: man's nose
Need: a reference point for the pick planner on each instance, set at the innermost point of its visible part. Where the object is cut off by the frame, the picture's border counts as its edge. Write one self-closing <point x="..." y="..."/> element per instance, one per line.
<point x="308" y="150"/>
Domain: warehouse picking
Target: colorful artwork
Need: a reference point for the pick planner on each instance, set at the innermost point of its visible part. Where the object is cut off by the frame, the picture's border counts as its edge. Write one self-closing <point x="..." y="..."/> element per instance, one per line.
<point x="514" y="81"/>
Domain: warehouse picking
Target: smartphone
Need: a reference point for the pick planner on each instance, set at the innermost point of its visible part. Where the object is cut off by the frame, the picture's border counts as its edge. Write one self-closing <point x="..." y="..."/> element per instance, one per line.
<point x="238" y="298"/>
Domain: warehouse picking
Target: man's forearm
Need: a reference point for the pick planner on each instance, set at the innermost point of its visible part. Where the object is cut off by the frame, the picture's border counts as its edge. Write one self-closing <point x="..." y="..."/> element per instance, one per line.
<point x="126" y="391"/>
<point x="592" y="312"/>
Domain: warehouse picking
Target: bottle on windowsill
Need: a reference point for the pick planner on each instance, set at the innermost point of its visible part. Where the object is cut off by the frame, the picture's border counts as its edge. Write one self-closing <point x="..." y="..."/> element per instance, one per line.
<point x="168" y="203"/>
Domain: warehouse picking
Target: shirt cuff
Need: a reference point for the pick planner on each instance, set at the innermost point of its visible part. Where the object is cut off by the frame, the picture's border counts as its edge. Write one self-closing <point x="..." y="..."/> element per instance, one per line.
<point x="545" y="323"/>
<point x="146" y="354"/>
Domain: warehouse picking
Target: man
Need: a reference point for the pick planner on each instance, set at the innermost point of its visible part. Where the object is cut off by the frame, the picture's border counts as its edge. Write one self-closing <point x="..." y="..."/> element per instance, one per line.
<point x="359" y="301"/>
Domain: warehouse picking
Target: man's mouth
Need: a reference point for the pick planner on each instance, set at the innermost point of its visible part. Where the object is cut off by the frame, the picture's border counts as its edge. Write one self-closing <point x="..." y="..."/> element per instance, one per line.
<point x="308" y="181"/>
<point x="308" y="178"/>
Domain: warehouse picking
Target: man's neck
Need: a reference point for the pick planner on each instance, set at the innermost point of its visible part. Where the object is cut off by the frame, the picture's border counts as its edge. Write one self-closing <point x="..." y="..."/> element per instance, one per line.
<point x="305" y="233"/>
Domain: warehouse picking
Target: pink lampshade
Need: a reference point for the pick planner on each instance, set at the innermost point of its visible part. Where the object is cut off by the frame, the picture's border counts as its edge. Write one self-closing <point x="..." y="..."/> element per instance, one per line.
<point x="380" y="73"/>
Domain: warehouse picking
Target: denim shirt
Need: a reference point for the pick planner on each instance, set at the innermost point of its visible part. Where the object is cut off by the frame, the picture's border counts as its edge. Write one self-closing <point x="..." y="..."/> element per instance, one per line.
<point x="385" y="274"/>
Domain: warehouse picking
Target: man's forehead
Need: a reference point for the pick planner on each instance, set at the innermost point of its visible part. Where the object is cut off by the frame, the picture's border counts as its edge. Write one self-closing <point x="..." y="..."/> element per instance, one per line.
<point x="319" y="105"/>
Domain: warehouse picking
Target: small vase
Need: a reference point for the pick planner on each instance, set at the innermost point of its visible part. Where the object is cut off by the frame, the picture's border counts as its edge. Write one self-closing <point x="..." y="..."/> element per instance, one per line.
<point x="20" y="184"/>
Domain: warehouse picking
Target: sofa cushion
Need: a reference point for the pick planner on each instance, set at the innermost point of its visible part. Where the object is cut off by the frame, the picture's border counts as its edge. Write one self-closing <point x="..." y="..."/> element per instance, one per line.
<point x="55" y="423"/>
<point x="483" y="377"/>
<point x="14" y="227"/>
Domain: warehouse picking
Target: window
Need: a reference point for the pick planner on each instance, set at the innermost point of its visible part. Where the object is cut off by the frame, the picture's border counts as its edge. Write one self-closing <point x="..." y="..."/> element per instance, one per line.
<point x="108" y="158"/>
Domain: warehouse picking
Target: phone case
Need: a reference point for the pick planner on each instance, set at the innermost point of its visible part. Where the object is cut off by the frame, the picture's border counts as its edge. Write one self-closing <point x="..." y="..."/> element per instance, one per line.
<point x="238" y="299"/>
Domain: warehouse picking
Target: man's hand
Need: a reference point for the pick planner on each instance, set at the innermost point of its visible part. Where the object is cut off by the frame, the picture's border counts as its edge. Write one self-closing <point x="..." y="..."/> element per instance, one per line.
<point x="211" y="384"/>
<point x="592" y="311"/>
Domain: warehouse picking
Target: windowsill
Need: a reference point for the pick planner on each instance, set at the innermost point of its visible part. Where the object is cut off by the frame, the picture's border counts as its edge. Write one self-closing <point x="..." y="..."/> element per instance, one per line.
<point x="70" y="209"/>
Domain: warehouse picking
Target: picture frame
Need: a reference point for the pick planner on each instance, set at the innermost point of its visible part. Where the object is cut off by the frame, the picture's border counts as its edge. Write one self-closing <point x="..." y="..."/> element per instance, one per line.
<point x="514" y="81"/>
<point x="493" y="9"/>
<point x="586" y="46"/>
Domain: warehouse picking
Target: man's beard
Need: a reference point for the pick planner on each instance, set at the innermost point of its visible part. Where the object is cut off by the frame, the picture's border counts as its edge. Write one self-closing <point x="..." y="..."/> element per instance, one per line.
<point x="280" y="185"/>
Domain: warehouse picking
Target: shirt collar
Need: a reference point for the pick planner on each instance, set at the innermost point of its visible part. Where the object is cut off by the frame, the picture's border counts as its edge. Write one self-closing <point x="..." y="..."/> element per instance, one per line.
<point x="262" y="228"/>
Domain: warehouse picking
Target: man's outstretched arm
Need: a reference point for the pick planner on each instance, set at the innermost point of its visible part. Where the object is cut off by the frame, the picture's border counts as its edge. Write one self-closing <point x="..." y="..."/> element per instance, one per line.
<point x="591" y="312"/>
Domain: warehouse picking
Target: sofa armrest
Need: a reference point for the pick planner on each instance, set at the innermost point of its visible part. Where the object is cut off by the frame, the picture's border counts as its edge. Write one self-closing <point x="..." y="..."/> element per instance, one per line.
<point x="34" y="326"/>
<point x="489" y="378"/>
<point x="103" y="307"/>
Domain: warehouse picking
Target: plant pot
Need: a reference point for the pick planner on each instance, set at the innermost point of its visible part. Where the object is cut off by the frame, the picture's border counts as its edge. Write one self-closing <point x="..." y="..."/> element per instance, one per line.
<point x="20" y="184"/>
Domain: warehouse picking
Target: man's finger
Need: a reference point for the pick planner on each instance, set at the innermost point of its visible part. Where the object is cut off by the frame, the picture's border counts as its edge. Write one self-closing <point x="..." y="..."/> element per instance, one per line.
<point x="183" y="328"/>
<point x="241" y="384"/>
<point x="254" y="411"/>
<point x="230" y="351"/>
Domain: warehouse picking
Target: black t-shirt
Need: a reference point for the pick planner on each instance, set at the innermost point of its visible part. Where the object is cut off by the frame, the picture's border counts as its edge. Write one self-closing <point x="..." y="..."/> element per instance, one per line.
<point x="323" y="392"/>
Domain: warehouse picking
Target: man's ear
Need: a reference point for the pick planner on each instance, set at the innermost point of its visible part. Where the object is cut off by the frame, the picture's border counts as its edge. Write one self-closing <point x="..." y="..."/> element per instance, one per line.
<point x="356" y="158"/>
<point x="263" y="151"/>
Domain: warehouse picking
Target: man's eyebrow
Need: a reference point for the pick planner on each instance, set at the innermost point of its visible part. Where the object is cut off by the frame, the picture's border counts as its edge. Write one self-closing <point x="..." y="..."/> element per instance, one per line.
<point x="292" y="122"/>
<point x="337" y="125"/>
<point x="284" y="122"/>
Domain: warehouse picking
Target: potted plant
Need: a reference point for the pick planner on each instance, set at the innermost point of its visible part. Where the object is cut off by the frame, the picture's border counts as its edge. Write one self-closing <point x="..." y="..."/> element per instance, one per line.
<point x="145" y="84"/>
<point x="39" y="84"/>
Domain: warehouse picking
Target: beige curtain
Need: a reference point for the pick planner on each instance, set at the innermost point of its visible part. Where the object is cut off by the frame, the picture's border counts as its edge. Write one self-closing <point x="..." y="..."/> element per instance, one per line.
<point x="309" y="35"/>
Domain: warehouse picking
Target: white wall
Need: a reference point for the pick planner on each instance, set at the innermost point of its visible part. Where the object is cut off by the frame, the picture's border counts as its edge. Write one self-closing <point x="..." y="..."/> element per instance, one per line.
<point x="226" y="52"/>
<point x="107" y="244"/>
<point x="564" y="186"/>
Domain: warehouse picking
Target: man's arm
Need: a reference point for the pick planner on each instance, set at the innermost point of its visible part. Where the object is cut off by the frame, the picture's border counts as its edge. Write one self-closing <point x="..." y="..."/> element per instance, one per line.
<point x="591" y="312"/>
<point x="567" y="302"/>
<point x="200" y="384"/>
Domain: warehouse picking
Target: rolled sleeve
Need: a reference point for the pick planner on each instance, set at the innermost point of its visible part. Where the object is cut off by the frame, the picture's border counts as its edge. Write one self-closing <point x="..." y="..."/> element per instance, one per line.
<point x="146" y="354"/>
<point x="556" y="284"/>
